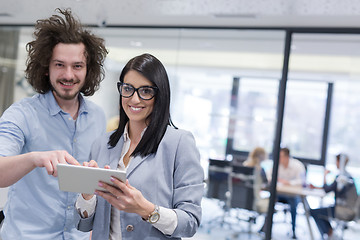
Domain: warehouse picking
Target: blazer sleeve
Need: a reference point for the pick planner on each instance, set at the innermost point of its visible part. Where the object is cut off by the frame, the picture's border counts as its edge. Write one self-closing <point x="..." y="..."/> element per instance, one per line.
<point x="331" y="187"/>
<point x="188" y="186"/>
<point x="84" y="224"/>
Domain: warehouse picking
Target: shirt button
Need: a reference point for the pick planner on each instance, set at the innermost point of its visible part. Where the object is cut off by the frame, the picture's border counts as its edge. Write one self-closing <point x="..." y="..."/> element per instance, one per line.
<point x="70" y="118"/>
<point x="129" y="228"/>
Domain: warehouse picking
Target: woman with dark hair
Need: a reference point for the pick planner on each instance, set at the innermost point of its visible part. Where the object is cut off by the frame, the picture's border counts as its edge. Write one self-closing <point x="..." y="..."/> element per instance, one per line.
<point x="162" y="195"/>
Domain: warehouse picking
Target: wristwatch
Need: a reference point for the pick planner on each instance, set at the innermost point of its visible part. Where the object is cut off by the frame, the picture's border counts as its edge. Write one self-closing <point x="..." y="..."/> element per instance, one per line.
<point x="154" y="216"/>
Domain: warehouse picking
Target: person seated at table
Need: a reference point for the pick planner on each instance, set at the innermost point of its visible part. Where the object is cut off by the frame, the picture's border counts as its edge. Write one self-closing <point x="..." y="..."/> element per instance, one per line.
<point x="291" y="172"/>
<point x="341" y="186"/>
<point x="256" y="156"/>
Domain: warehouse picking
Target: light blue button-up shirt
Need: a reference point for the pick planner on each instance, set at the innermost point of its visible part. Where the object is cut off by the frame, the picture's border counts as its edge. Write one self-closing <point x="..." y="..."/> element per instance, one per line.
<point x="36" y="208"/>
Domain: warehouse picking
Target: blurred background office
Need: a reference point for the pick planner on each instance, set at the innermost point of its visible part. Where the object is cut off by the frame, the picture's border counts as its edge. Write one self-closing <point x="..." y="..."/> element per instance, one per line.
<point x="226" y="60"/>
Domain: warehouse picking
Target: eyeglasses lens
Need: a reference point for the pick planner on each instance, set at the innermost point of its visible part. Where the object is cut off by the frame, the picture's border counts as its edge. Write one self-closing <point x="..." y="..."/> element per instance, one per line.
<point x="145" y="93"/>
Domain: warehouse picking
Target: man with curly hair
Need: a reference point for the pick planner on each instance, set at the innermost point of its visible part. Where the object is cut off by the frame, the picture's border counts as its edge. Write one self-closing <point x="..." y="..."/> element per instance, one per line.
<point x="57" y="125"/>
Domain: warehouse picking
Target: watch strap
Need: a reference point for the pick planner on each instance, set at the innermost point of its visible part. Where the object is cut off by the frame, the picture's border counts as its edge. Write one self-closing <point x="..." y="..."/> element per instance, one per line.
<point x="155" y="212"/>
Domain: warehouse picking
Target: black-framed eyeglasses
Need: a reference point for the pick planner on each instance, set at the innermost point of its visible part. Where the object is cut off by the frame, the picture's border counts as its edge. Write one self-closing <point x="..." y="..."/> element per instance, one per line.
<point x="145" y="92"/>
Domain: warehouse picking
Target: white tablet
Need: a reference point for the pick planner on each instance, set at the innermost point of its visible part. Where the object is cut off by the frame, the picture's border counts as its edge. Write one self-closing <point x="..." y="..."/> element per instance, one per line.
<point x="82" y="179"/>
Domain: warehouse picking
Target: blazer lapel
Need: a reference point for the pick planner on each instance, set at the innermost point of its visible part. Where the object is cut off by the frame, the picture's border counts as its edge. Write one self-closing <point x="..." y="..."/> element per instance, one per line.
<point x="136" y="161"/>
<point x="115" y="154"/>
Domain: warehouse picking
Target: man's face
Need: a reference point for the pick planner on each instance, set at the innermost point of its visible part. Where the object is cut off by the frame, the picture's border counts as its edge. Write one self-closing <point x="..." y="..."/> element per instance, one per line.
<point x="67" y="70"/>
<point x="283" y="159"/>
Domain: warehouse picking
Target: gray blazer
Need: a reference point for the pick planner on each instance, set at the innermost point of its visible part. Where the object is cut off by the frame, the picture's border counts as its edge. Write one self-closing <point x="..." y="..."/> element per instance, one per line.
<point x="171" y="178"/>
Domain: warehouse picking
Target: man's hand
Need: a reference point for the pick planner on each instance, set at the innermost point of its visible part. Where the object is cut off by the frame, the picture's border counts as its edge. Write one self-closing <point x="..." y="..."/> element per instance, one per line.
<point x="50" y="159"/>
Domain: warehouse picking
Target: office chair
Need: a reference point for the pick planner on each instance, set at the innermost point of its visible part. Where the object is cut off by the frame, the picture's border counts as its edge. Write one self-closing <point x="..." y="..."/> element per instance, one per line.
<point x="241" y="186"/>
<point x="346" y="210"/>
<point x="218" y="174"/>
<point x="217" y="188"/>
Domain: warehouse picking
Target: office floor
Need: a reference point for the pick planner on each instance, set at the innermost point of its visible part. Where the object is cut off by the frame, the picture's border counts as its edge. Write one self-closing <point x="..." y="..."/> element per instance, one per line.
<point x="234" y="229"/>
<point x="237" y="230"/>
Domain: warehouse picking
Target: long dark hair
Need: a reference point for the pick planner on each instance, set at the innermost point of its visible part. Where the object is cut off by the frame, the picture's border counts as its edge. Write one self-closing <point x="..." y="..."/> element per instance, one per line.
<point x="56" y="29"/>
<point x="153" y="70"/>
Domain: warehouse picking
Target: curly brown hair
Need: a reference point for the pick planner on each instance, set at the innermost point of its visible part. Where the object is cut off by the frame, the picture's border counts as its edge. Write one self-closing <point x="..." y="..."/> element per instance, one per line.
<point x="48" y="33"/>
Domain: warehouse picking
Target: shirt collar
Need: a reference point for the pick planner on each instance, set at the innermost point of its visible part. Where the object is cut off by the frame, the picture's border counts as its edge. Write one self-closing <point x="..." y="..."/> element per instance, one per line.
<point x="54" y="107"/>
<point x="126" y="132"/>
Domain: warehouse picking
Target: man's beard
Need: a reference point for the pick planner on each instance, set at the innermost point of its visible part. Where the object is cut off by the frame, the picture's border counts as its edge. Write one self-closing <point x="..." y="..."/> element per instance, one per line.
<point x="66" y="95"/>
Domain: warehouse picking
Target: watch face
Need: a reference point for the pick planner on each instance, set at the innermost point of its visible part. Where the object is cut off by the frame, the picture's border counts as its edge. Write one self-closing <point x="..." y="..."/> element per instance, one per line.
<point x="154" y="217"/>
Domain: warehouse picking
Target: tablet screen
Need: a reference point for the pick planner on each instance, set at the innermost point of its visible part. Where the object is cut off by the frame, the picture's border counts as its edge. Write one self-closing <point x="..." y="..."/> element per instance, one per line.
<point x="81" y="179"/>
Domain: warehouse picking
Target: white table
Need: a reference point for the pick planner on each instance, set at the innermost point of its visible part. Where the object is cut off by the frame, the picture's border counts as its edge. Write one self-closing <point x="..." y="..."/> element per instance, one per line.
<point x="302" y="193"/>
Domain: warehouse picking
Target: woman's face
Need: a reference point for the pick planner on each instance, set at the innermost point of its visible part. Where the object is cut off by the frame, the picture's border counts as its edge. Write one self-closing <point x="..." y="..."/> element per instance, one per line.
<point x="136" y="108"/>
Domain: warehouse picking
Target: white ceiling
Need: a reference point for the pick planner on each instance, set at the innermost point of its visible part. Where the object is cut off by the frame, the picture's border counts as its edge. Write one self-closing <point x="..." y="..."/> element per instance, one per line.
<point x="214" y="13"/>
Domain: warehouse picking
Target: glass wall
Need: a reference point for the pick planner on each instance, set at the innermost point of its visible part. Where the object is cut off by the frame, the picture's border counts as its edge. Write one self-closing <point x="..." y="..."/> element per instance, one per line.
<point x="208" y="62"/>
<point x="304" y="117"/>
<point x="255" y="114"/>
<point x="202" y="64"/>
<point x="225" y="87"/>
<point x="326" y="58"/>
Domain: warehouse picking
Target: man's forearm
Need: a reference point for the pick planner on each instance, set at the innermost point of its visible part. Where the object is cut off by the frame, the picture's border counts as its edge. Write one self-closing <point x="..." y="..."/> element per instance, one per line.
<point x="13" y="168"/>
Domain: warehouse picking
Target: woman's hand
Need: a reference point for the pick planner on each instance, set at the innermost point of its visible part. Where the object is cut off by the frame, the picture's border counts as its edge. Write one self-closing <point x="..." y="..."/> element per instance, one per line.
<point x="126" y="198"/>
<point x="94" y="164"/>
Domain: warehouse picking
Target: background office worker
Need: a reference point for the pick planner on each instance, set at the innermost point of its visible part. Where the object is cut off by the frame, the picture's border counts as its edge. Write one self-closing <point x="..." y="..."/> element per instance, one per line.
<point x="256" y="156"/>
<point x="56" y="125"/>
<point x="291" y="172"/>
<point x="165" y="178"/>
<point x="345" y="198"/>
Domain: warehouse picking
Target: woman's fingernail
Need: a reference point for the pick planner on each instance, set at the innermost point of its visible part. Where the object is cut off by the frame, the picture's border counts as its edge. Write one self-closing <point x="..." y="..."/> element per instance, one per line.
<point x="112" y="179"/>
<point x="100" y="184"/>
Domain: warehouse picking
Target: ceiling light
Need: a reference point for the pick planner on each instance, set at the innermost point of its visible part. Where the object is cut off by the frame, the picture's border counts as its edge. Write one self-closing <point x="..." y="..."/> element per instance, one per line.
<point x="136" y="43"/>
<point x="234" y="15"/>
